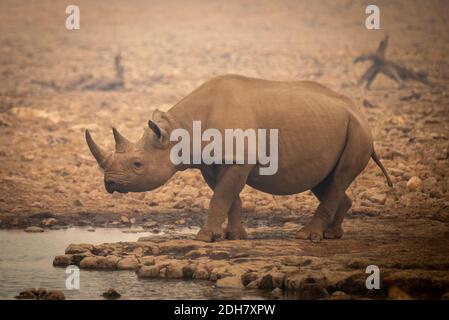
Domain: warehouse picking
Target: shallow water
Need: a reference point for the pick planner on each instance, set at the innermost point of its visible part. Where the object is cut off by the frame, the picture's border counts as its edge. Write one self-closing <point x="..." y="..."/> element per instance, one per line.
<point x="26" y="262"/>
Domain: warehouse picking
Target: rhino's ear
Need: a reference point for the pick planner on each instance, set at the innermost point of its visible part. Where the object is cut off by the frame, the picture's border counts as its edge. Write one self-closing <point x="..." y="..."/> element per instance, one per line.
<point x="159" y="126"/>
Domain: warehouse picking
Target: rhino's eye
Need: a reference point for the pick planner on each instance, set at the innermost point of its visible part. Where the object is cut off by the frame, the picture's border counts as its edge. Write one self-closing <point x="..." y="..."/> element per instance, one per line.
<point x="137" y="164"/>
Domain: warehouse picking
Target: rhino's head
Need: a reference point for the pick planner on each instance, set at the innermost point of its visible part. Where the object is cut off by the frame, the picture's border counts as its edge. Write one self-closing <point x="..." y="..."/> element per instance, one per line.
<point x="136" y="167"/>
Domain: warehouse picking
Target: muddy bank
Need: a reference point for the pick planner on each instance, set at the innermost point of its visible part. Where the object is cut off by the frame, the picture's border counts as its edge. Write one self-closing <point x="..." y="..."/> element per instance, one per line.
<point x="409" y="265"/>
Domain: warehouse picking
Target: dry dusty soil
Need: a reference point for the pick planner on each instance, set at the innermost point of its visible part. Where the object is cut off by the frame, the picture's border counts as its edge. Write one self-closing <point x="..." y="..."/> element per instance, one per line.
<point x="55" y="83"/>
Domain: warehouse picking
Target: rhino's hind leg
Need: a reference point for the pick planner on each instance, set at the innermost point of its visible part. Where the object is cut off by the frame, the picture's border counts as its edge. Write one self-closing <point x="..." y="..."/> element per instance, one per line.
<point x="335" y="230"/>
<point x="324" y="214"/>
<point x="331" y="192"/>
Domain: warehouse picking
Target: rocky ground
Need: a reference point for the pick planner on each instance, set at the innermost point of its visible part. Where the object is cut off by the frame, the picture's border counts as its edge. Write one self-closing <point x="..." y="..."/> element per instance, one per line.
<point x="55" y="83"/>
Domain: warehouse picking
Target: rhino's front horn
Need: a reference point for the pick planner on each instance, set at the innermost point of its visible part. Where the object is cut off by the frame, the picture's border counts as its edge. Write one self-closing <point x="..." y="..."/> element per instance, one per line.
<point x="99" y="154"/>
<point x="121" y="143"/>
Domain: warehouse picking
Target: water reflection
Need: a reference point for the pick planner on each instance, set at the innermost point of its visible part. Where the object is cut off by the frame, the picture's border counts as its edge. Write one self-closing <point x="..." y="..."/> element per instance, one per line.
<point x="26" y="262"/>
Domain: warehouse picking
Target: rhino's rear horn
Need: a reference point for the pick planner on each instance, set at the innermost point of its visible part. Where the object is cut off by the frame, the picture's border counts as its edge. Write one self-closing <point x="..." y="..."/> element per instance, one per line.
<point x="121" y="143"/>
<point x="99" y="154"/>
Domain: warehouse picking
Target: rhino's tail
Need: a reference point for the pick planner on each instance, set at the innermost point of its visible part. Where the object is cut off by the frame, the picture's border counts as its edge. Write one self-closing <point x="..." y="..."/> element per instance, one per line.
<point x="381" y="166"/>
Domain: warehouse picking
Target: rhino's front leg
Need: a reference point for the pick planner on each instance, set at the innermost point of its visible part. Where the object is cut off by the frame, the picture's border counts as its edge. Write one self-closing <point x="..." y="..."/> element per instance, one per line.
<point x="230" y="181"/>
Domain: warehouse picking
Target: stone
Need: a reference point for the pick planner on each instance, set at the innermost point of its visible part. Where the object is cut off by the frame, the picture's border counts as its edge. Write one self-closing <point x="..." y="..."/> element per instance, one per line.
<point x="49" y="222"/>
<point x="41" y="294"/>
<point x="396" y="293"/>
<point x="195" y="254"/>
<point x="230" y="282"/>
<point x="201" y="273"/>
<point x="111" y="294"/>
<point x="148" y="272"/>
<point x="414" y="184"/>
<point x="147" y="261"/>
<point x="128" y="263"/>
<point x="27" y="294"/>
<point x="54" y="295"/>
<point x="296" y="261"/>
<point x="180" y="222"/>
<point x="124" y="220"/>
<point x="34" y="229"/>
<point x="78" y="248"/>
<point x="219" y="255"/>
<point x="62" y="260"/>
<point x="277" y="293"/>
<point x="101" y="263"/>
<point x="254" y="284"/>
<point x="249" y="277"/>
<point x="378" y="198"/>
<point x="149" y="224"/>
<point x="174" y="270"/>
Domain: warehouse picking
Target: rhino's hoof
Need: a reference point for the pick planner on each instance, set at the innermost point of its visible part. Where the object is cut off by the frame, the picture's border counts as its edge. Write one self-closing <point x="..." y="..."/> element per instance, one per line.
<point x="239" y="234"/>
<point x="207" y="235"/>
<point x="333" y="233"/>
<point x="307" y="234"/>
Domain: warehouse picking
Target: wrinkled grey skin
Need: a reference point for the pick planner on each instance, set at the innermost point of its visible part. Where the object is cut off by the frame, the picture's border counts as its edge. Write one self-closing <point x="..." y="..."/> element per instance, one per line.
<point x="324" y="144"/>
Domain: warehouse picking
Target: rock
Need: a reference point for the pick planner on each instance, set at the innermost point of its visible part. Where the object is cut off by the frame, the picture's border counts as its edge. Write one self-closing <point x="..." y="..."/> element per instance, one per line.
<point x="91" y="229"/>
<point x="129" y="263"/>
<point x="54" y="295"/>
<point x="188" y="271"/>
<point x="147" y="261"/>
<point x="296" y="261"/>
<point x="78" y="248"/>
<point x="180" y="222"/>
<point x="111" y="294"/>
<point x="272" y="280"/>
<point x="41" y="294"/>
<point x="277" y="293"/>
<point x="201" y="273"/>
<point x="148" y="272"/>
<point x="230" y="282"/>
<point x="188" y="192"/>
<point x="102" y="263"/>
<point x="219" y="255"/>
<point x="77" y="203"/>
<point x="377" y="198"/>
<point x="291" y="225"/>
<point x="195" y="254"/>
<point x="414" y="184"/>
<point x="397" y="293"/>
<point x="254" y="284"/>
<point x="27" y="294"/>
<point x="62" y="260"/>
<point x="49" y="222"/>
<point x="249" y="277"/>
<point x="174" y="270"/>
<point x="340" y="295"/>
<point x="124" y="220"/>
<point x="34" y="229"/>
<point x="183" y="203"/>
<point x="132" y="220"/>
<point x="150" y="224"/>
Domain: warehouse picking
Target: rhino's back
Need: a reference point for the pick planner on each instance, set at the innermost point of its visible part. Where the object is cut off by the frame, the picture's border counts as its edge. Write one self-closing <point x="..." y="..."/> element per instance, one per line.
<point x="312" y="124"/>
<point x="311" y="119"/>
